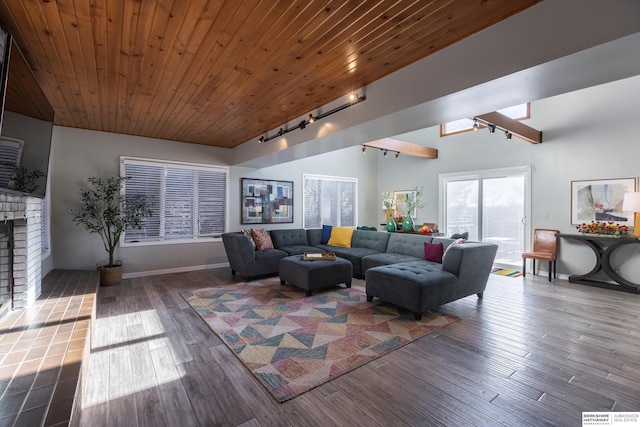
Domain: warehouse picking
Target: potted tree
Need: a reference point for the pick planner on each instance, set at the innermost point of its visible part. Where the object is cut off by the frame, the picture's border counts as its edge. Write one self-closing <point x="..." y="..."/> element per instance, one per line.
<point x="105" y="211"/>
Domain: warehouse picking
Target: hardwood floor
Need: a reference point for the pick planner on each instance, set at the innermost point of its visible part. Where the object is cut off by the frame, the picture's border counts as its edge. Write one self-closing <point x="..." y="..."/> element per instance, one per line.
<point x="530" y="353"/>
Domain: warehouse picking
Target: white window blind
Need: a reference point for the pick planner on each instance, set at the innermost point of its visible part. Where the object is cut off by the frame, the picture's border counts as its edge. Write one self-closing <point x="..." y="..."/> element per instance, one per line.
<point x="329" y="200"/>
<point x="188" y="201"/>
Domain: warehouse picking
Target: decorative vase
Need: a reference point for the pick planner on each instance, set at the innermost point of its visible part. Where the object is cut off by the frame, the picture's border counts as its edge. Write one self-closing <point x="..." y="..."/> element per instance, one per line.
<point x="391" y="224"/>
<point x="408" y="225"/>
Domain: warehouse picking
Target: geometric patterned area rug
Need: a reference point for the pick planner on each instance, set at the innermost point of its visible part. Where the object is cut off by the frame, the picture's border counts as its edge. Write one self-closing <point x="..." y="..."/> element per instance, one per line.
<point x="506" y="272"/>
<point x="292" y="343"/>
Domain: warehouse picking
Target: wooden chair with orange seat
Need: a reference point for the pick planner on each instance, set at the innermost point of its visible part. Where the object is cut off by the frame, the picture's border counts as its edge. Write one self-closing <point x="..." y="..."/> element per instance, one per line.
<point x="545" y="248"/>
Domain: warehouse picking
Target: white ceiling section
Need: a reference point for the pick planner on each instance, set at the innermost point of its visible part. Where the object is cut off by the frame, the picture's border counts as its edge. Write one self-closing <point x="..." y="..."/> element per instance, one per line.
<point x="554" y="47"/>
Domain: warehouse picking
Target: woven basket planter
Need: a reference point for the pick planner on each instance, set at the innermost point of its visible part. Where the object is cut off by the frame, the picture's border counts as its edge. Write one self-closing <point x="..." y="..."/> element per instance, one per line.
<point x="110" y="276"/>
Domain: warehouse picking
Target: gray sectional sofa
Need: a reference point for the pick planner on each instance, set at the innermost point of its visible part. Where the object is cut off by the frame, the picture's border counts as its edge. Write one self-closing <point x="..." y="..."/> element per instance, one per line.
<point x="392" y="264"/>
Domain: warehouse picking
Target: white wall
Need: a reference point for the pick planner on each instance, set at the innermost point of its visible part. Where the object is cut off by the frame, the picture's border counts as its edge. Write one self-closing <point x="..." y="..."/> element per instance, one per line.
<point x="587" y="134"/>
<point x="79" y="154"/>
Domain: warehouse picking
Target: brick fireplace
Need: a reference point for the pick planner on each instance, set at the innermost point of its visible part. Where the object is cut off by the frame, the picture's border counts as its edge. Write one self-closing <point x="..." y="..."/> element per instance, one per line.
<point x="20" y="250"/>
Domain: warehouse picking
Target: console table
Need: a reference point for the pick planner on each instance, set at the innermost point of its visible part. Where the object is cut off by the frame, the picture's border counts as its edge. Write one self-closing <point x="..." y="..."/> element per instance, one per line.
<point x="603" y="247"/>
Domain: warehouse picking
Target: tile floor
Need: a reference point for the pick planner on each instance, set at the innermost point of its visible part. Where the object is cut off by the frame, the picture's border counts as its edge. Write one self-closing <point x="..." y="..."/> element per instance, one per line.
<point x="42" y="348"/>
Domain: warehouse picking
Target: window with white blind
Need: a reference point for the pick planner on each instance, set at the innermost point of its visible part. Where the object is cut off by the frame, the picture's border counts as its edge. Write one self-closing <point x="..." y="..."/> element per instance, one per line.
<point x="188" y="200"/>
<point x="329" y="200"/>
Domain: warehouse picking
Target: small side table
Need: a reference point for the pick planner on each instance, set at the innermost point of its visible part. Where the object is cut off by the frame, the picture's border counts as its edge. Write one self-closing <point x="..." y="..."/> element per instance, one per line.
<point x="603" y="247"/>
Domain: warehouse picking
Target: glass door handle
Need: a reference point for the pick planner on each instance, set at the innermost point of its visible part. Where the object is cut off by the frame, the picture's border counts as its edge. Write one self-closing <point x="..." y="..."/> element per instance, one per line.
<point x="524" y="220"/>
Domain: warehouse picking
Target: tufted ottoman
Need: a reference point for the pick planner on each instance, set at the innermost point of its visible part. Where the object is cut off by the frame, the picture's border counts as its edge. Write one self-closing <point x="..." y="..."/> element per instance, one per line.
<point x="417" y="286"/>
<point x="317" y="274"/>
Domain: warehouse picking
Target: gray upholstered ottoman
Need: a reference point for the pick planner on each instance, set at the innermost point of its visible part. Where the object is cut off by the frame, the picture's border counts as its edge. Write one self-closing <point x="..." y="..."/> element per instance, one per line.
<point x="317" y="274"/>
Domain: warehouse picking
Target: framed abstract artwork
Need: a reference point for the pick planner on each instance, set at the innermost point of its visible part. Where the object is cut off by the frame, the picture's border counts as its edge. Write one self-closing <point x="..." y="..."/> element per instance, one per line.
<point x="601" y="200"/>
<point x="266" y="202"/>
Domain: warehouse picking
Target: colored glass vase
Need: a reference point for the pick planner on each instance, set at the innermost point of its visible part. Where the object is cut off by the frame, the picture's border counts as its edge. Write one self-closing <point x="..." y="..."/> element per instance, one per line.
<point x="391" y="224"/>
<point x="408" y="225"/>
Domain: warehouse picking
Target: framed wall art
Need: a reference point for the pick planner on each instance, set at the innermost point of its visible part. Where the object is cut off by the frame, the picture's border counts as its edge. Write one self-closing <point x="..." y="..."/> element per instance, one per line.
<point x="601" y="200"/>
<point x="266" y="201"/>
<point x="400" y="199"/>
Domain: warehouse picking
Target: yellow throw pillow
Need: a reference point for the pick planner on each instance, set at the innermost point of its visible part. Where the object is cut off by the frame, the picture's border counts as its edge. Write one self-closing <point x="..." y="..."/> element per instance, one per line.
<point x="341" y="236"/>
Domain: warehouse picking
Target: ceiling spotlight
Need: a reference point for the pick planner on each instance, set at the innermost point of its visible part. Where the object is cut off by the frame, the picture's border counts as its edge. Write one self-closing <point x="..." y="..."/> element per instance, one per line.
<point x="302" y="124"/>
<point x="508" y="135"/>
<point x="261" y="139"/>
<point x="475" y="125"/>
<point x="384" y="153"/>
<point x="352" y="97"/>
<point x="397" y="155"/>
<point x="281" y="132"/>
<point x="492" y="128"/>
<point x="364" y="148"/>
<point x="311" y="118"/>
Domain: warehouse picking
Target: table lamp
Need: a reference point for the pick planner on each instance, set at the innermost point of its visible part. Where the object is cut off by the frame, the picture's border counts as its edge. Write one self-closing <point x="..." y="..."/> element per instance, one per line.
<point x="631" y="203"/>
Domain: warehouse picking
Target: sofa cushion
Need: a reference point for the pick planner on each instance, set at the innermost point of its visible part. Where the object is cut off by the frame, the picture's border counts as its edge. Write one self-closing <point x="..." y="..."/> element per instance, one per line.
<point x="326" y="234"/>
<point x="408" y="244"/>
<point x="262" y="239"/>
<point x="341" y="236"/>
<point x="300" y="249"/>
<point x="370" y="240"/>
<point x="289" y="237"/>
<point x="385" y="258"/>
<point x="433" y="252"/>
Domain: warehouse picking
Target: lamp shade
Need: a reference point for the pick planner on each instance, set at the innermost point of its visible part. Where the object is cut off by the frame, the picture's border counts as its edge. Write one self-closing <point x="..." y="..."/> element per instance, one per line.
<point x="631" y="202"/>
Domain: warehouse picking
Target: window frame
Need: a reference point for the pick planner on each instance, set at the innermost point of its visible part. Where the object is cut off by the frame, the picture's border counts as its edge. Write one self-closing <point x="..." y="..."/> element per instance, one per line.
<point x="334" y="179"/>
<point x="187" y="165"/>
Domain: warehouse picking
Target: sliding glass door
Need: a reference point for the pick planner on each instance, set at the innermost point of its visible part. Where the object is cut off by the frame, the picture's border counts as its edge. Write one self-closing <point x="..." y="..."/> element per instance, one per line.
<point x="492" y="205"/>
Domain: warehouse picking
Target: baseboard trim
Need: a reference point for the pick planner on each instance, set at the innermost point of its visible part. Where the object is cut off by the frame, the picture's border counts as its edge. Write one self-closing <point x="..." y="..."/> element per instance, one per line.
<point x="174" y="270"/>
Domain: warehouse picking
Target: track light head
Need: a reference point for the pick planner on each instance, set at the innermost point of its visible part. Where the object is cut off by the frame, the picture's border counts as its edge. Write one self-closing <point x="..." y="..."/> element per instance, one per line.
<point x="475" y="125"/>
<point x="508" y="135"/>
<point x="397" y="155"/>
<point x="311" y="118"/>
<point x="364" y="148"/>
<point x="303" y="124"/>
<point x="491" y="127"/>
<point x="384" y="153"/>
<point x="353" y="97"/>
<point x="261" y="139"/>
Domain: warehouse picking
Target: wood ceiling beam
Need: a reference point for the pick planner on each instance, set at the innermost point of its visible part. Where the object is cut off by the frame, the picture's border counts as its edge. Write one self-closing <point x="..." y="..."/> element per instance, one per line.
<point x="517" y="128"/>
<point x="403" y="148"/>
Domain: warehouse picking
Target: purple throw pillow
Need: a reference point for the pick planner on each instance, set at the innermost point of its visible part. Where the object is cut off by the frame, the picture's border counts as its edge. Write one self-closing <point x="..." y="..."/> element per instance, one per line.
<point x="433" y="252"/>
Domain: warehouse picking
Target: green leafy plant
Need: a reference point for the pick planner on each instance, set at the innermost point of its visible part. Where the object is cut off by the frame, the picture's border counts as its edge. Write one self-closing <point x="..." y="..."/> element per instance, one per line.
<point x="387" y="200"/>
<point x="105" y="211"/>
<point x="24" y="180"/>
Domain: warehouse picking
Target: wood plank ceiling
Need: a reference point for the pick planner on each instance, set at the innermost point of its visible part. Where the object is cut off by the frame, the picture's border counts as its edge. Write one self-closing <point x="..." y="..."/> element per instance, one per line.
<point x="221" y="72"/>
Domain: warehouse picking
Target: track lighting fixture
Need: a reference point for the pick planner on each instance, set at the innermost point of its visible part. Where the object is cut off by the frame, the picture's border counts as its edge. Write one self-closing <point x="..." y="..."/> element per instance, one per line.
<point x="364" y="148"/>
<point x="491" y="127"/>
<point x="384" y="153"/>
<point x="353" y="100"/>
<point x="397" y="155"/>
